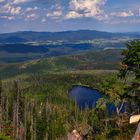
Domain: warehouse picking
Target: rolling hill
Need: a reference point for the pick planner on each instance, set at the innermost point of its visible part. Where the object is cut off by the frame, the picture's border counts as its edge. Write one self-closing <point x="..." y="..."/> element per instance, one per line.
<point x="96" y="60"/>
<point x="66" y="36"/>
<point x="28" y="45"/>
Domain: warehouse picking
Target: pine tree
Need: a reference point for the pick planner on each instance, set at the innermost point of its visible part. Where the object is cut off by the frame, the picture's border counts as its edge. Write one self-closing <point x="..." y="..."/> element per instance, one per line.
<point x="130" y="65"/>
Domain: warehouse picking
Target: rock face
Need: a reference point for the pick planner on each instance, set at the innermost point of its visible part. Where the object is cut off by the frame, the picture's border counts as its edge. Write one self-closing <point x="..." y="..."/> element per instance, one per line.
<point x="74" y="135"/>
<point x="136" y="119"/>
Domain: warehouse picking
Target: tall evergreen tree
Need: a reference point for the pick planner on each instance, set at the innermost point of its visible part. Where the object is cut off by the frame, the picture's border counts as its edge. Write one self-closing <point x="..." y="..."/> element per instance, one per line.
<point x="130" y="65"/>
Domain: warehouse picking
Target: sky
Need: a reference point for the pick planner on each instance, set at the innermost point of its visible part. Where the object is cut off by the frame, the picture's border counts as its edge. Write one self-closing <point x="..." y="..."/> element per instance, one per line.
<point x="62" y="15"/>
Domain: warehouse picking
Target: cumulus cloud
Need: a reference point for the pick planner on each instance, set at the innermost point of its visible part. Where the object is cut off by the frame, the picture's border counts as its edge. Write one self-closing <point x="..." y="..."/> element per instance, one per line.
<point x="8" y="17"/>
<point x="30" y="9"/>
<point x="122" y="14"/>
<point x="31" y="17"/>
<point x="16" y="10"/>
<point x="73" y="15"/>
<point x="10" y="9"/>
<point x="85" y="8"/>
<point x="13" y="9"/>
<point x="54" y="14"/>
<point x="20" y="1"/>
<point x="6" y="8"/>
<point x="31" y="13"/>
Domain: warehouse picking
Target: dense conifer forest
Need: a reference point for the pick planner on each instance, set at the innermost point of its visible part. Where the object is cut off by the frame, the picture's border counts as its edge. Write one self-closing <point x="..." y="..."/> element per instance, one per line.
<point x="37" y="107"/>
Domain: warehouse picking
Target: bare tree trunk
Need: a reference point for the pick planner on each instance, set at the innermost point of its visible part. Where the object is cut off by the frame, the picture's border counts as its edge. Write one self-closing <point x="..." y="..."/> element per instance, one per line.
<point x="7" y="109"/>
<point x="25" y="117"/>
<point x="16" y="112"/>
<point x="1" y="111"/>
<point x="137" y="134"/>
<point x="14" y="120"/>
<point x="17" y="115"/>
<point x="47" y="111"/>
<point x="33" y="122"/>
<point x="119" y="109"/>
<point x="76" y="116"/>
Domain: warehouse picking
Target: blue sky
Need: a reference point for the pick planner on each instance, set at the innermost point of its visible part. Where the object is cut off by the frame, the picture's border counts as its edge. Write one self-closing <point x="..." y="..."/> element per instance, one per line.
<point x="60" y="15"/>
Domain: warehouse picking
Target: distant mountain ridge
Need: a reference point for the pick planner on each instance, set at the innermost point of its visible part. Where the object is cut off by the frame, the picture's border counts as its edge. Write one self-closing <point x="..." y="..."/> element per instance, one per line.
<point x="30" y="36"/>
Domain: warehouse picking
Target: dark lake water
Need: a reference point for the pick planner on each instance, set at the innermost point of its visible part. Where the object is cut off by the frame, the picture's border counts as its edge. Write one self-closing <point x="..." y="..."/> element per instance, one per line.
<point x="86" y="97"/>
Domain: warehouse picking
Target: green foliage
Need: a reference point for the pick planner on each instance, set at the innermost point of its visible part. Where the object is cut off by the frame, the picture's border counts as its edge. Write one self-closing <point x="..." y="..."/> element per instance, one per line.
<point x="3" y="137"/>
<point x="114" y="88"/>
<point x="131" y="66"/>
<point x="94" y="60"/>
<point x="52" y="115"/>
<point x="131" y="59"/>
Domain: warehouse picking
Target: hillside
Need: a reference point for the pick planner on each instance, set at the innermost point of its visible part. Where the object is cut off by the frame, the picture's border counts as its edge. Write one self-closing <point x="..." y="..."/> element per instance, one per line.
<point x="36" y="78"/>
<point x="101" y="60"/>
<point x="66" y="36"/>
<point x="23" y="46"/>
<point x="10" y="53"/>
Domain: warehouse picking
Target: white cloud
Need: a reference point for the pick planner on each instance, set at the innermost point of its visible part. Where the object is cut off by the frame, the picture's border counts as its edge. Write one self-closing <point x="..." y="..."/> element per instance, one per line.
<point x="31" y="13"/>
<point x="10" y="9"/>
<point x="8" y="17"/>
<point x="30" y="9"/>
<point x="54" y="14"/>
<point x="6" y="8"/>
<point x="73" y="15"/>
<point x="32" y="17"/>
<point x="102" y="17"/>
<point x="86" y="8"/>
<point x="20" y="1"/>
<point x="16" y="10"/>
<point x="122" y="14"/>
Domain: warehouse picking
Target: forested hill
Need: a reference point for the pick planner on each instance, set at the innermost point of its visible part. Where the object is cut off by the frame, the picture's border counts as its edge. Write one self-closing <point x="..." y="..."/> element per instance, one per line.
<point x="29" y="36"/>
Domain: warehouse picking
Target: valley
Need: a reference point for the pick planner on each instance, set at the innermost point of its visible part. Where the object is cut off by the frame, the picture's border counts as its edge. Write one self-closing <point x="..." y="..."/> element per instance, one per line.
<point x="37" y="71"/>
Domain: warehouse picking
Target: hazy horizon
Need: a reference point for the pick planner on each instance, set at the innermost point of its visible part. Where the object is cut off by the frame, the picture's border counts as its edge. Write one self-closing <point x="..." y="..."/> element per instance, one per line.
<point x="68" y="31"/>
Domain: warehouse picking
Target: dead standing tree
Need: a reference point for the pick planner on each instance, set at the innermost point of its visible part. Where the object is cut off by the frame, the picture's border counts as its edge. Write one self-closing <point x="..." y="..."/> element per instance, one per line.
<point x="1" y="108"/>
<point x="16" y="112"/>
<point x="33" y="120"/>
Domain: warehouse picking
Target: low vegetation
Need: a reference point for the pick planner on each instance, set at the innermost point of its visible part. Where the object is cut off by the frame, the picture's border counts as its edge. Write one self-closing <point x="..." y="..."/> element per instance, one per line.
<point x="36" y="106"/>
<point x="95" y="60"/>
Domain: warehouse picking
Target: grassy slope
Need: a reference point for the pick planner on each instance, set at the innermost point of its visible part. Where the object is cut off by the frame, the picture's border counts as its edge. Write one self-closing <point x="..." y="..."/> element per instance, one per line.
<point x="101" y="60"/>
